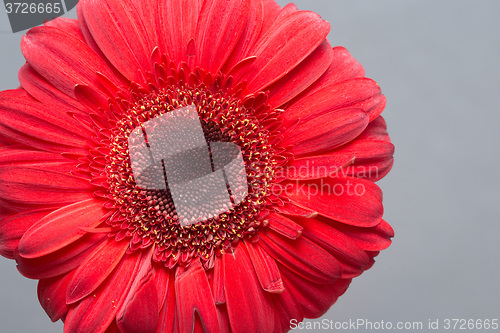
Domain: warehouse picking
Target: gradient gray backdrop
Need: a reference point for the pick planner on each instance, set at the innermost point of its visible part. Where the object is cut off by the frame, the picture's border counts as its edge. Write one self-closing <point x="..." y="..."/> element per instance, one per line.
<point x="438" y="64"/>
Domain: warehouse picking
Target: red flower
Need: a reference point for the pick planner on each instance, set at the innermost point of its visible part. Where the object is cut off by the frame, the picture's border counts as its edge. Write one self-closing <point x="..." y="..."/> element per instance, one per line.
<point x="112" y="255"/>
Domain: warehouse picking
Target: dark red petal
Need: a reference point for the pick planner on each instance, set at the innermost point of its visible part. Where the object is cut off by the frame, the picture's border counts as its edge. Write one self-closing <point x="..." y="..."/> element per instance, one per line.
<point x="249" y="308"/>
<point x="302" y="256"/>
<point x="352" y="258"/>
<point x="27" y="121"/>
<point x="62" y="59"/>
<point x="376" y="238"/>
<point x="60" y="228"/>
<point x="61" y="261"/>
<point x="113" y="328"/>
<point x="359" y="93"/>
<point x="249" y="35"/>
<point x="95" y="269"/>
<point x="96" y="312"/>
<point x="140" y="309"/>
<point x="302" y="76"/>
<point x="314" y="299"/>
<point x="283" y="48"/>
<point x="219" y="28"/>
<point x="326" y="131"/>
<point x="120" y="34"/>
<point x="284" y="226"/>
<point x="191" y="300"/>
<point x="352" y="201"/>
<point x="265" y="267"/>
<point x="51" y="294"/>
<point x="12" y="228"/>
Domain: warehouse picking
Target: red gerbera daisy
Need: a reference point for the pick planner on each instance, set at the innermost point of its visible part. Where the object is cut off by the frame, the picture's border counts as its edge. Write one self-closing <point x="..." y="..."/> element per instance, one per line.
<point x="116" y="247"/>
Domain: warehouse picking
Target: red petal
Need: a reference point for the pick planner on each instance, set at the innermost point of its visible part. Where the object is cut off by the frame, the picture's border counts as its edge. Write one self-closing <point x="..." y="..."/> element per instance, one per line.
<point x="224" y="318"/>
<point x="248" y="307"/>
<point x="61" y="261"/>
<point x="343" y="67"/>
<point x="302" y="76"/>
<point x="47" y="94"/>
<point x="67" y="25"/>
<point x="91" y="98"/>
<point x="314" y="299"/>
<point x="271" y="11"/>
<point x="168" y="310"/>
<point x="27" y="121"/>
<point x="140" y="309"/>
<point x="218" y="282"/>
<point x="120" y="34"/>
<point x="13" y="228"/>
<point x="376" y="238"/>
<point x="376" y="130"/>
<point x="62" y="59"/>
<point x="356" y="93"/>
<point x="368" y="159"/>
<point x="219" y="28"/>
<point x="318" y="166"/>
<point x="48" y="184"/>
<point x="286" y="309"/>
<point x="284" y="47"/>
<point x="249" y="35"/>
<point x="294" y="210"/>
<point x="372" y="159"/>
<point x="177" y="20"/>
<point x="352" y="201"/>
<point x="96" y="312"/>
<point x="89" y="40"/>
<point x="60" y="228"/>
<point x="285" y="12"/>
<point x="284" y="226"/>
<point x="326" y="131"/>
<point x="369" y="156"/>
<point x="303" y="257"/>
<point x="352" y="257"/>
<point x="51" y="294"/>
<point x="266" y="269"/>
<point x="95" y="269"/>
<point x="195" y="300"/>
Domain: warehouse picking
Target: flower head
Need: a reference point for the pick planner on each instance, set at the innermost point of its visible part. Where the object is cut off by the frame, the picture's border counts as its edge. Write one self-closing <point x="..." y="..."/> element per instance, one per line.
<point x="177" y="165"/>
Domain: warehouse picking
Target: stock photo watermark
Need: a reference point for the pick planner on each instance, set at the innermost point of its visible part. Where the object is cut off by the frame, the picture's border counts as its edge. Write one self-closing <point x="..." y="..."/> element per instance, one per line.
<point x="446" y="324"/>
<point x="27" y="14"/>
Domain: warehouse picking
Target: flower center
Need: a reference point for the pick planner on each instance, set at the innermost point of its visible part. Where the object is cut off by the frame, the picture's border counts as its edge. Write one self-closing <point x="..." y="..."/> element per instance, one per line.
<point x="189" y="171"/>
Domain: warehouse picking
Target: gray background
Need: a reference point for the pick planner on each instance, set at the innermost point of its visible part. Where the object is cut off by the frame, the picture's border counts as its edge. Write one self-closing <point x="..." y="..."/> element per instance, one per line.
<point x="437" y="63"/>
